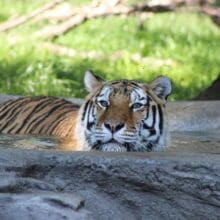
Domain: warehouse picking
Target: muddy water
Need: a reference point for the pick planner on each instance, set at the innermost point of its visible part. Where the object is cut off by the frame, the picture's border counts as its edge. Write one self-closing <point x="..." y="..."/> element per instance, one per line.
<point x="201" y="142"/>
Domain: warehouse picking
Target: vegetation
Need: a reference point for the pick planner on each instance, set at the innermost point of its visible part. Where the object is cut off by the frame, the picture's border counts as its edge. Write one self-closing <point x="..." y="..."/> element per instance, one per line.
<point x="183" y="46"/>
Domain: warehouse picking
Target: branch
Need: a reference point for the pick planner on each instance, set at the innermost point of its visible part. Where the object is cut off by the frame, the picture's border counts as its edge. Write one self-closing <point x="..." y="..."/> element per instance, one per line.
<point x="213" y="13"/>
<point x="65" y="11"/>
<point x="101" y="11"/>
<point x="18" y="21"/>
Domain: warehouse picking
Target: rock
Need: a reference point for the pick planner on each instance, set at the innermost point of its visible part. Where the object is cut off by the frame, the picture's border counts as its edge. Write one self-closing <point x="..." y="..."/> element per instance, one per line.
<point x="194" y="116"/>
<point x="212" y="92"/>
<point x="55" y="205"/>
<point x="160" y="185"/>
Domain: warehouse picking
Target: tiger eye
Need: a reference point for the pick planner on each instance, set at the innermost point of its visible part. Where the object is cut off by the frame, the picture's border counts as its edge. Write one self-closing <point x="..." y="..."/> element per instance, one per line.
<point x="103" y="103"/>
<point x="137" y="105"/>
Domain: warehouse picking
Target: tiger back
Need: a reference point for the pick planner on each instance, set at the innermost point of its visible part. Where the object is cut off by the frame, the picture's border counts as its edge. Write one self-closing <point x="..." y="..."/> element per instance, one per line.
<point x="38" y="116"/>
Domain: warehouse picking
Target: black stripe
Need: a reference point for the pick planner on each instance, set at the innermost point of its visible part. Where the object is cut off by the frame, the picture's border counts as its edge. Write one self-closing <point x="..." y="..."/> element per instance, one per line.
<point x="93" y="111"/>
<point x="113" y="83"/>
<point x="136" y="90"/>
<point x="145" y="126"/>
<point x="36" y="109"/>
<point x="127" y="82"/>
<point x="151" y="128"/>
<point x="89" y="125"/>
<point x="58" y="119"/>
<point x="64" y="106"/>
<point x="148" y="110"/>
<point x="160" y="118"/>
<point x="99" y="95"/>
<point x="135" y="84"/>
<point x="141" y="99"/>
<point x="153" y="131"/>
<point x="150" y="99"/>
<point x="150" y="147"/>
<point x="42" y="108"/>
<point x="13" y="114"/>
<point x="9" y="131"/>
<point x="8" y="104"/>
<point x="84" y="110"/>
<point x="38" y="120"/>
<point x="97" y="145"/>
<point x="154" y="115"/>
<point x="89" y="109"/>
<point x="11" y="106"/>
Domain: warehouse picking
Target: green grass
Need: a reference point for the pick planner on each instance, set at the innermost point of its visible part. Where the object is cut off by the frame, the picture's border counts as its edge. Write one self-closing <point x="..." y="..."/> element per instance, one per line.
<point x="190" y="41"/>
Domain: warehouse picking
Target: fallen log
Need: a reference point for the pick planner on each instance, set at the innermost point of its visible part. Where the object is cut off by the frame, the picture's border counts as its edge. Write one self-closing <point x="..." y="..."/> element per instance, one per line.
<point x="65" y="12"/>
<point x="101" y="11"/>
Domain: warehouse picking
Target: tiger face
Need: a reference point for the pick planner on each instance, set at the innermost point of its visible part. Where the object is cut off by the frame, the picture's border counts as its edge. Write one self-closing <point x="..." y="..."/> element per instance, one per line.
<point x="123" y="115"/>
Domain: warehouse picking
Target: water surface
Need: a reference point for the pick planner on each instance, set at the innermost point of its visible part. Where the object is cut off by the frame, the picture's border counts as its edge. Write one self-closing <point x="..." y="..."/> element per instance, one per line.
<point x="202" y="142"/>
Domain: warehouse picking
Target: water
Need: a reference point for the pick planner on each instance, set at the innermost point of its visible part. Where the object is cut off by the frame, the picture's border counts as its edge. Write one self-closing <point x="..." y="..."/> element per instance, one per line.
<point x="28" y="142"/>
<point x="202" y="142"/>
<point x="34" y="142"/>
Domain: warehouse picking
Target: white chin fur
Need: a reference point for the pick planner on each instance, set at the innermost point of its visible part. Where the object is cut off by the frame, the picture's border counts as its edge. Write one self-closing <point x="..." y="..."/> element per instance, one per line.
<point x="112" y="147"/>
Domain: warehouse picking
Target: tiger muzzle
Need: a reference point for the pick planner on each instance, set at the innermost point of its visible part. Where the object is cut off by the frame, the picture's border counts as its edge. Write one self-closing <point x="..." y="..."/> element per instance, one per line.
<point x="114" y="127"/>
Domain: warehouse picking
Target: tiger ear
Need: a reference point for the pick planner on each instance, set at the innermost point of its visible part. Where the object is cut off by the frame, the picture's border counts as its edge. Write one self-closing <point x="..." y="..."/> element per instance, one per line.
<point x="91" y="81"/>
<point x="162" y="87"/>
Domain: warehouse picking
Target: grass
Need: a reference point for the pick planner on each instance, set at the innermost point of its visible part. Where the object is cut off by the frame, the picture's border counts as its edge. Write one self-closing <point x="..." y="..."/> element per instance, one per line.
<point x="190" y="41"/>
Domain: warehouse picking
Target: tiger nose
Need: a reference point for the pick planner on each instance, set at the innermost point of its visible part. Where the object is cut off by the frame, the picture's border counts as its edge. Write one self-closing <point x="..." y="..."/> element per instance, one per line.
<point x="114" y="127"/>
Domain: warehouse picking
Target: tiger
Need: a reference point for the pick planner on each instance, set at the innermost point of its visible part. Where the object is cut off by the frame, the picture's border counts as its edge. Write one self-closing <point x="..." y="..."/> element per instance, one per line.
<point x="116" y="116"/>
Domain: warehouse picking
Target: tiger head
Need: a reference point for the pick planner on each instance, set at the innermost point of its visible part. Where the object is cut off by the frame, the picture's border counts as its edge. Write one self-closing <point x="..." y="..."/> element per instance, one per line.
<point x="123" y="115"/>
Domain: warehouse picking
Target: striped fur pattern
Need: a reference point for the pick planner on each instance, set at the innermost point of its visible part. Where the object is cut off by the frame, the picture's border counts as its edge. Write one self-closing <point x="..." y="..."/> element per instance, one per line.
<point x="116" y="116"/>
<point x="124" y="115"/>
<point x="38" y="115"/>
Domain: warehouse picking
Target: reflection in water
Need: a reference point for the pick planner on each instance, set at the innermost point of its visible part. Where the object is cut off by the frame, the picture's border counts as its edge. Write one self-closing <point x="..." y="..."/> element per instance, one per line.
<point x="180" y="142"/>
<point x="35" y="142"/>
